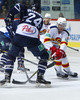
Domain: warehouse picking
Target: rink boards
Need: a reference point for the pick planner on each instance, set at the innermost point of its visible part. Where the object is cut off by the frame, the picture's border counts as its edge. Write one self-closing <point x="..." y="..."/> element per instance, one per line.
<point x="73" y="28"/>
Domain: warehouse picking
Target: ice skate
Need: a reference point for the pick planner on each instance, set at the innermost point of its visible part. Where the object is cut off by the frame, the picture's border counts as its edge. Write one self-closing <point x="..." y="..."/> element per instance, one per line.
<point x="61" y="74"/>
<point x="6" y="80"/>
<point x="72" y="74"/>
<point x="21" y="67"/>
<point x="41" y="81"/>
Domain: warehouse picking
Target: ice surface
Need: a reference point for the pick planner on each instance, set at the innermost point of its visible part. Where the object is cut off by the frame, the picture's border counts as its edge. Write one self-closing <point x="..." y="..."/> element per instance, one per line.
<point x="61" y="89"/>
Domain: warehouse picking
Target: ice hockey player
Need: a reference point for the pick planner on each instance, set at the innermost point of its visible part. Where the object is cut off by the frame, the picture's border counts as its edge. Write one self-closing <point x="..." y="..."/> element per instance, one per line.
<point x="55" y="35"/>
<point x="46" y="23"/>
<point x="5" y="45"/>
<point x="27" y="34"/>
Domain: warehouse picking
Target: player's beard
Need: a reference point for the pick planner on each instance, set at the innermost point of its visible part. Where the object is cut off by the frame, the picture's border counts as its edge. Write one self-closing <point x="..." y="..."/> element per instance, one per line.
<point x="60" y="28"/>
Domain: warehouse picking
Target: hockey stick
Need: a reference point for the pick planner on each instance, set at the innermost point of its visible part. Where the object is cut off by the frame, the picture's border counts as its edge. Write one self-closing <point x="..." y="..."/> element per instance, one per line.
<point x="28" y="80"/>
<point x="73" y="48"/>
<point x="50" y="65"/>
<point x="37" y="64"/>
<point x="3" y="51"/>
<point x="29" y="61"/>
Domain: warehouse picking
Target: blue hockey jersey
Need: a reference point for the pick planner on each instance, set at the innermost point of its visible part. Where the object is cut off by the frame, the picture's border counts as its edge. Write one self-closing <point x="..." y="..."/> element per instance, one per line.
<point x="27" y="15"/>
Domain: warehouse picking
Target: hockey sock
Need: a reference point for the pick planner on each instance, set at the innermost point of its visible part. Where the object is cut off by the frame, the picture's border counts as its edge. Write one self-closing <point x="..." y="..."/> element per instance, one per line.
<point x="3" y="60"/>
<point x="9" y="68"/>
<point x="42" y="66"/>
<point x="58" y="66"/>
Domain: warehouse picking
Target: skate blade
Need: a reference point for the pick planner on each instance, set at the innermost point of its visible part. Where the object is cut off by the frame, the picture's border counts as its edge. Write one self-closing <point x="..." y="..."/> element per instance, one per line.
<point x="64" y="78"/>
<point x="4" y="84"/>
<point x="40" y="85"/>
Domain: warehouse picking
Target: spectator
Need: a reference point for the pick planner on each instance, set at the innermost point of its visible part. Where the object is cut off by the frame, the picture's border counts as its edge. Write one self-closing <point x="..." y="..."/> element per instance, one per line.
<point x="6" y="4"/>
<point x="61" y="15"/>
<point x="10" y="3"/>
<point x="4" y="12"/>
<point x="20" y="1"/>
<point x="27" y="2"/>
<point x="1" y="3"/>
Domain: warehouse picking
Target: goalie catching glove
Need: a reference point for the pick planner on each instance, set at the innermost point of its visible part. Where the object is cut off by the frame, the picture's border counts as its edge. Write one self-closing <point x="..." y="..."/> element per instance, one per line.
<point x="59" y="54"/>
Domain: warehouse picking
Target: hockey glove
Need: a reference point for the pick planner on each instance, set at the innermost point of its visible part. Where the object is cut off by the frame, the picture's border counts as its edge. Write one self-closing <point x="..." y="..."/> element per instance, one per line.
<point x="59" y="54"/>
<point x="8" y="20"/>
<point x="53" y="49"/>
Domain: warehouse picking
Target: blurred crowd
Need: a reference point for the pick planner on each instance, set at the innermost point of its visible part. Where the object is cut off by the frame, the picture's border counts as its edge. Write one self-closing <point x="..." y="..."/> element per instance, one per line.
<point x="6" y="5"/>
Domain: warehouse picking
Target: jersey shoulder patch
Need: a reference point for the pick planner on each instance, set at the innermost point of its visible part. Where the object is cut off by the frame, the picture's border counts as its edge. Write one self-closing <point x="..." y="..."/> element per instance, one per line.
<point x="53" y="27"/>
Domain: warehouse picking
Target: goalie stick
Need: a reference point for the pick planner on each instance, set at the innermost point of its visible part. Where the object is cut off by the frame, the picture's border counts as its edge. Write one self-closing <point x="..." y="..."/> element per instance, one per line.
<point x="28" y="78"/>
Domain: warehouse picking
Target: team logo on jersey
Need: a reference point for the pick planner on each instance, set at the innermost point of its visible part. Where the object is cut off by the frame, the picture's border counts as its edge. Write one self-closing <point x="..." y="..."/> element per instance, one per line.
<point x="28" y="29"/>
<point x="58" y="39"/>
<point x="43" y="31"/>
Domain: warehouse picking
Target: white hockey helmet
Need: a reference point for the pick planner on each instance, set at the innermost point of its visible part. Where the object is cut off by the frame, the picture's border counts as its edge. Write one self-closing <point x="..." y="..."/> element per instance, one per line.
<point x="62" y="21"/>
<point x="47" y="15"/>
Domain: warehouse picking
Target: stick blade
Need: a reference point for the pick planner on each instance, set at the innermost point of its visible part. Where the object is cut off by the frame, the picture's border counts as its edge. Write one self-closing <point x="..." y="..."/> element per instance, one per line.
<point x="18" y="82"/>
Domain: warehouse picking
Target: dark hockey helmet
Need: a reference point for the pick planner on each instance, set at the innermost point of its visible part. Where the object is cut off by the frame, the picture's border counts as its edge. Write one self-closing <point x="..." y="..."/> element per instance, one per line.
<point x="36" y="7"/>
<point x="33" y="7"/>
